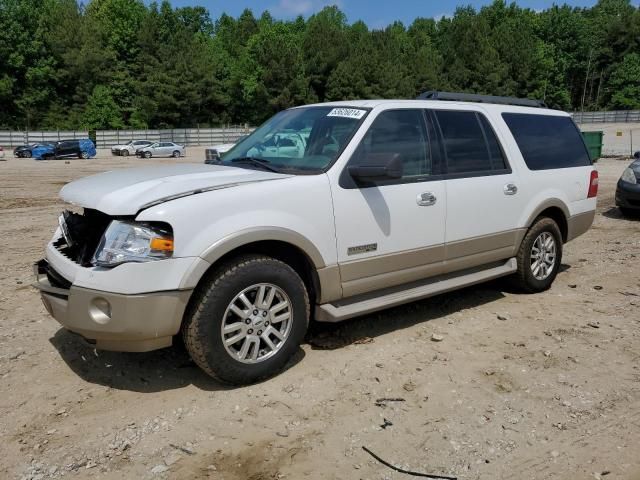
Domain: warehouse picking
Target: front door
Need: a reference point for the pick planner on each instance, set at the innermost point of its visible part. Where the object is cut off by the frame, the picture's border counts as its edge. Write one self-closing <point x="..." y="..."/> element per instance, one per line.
<point x="391" y="232"/>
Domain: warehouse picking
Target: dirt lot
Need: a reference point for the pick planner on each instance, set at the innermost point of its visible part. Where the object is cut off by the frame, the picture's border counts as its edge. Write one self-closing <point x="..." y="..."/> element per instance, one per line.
<point x="524" y="387"/>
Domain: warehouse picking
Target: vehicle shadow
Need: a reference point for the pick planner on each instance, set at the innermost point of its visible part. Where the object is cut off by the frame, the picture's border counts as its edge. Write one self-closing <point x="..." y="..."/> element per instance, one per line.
<point x="616" y="214"/>
<point x="332" y="336"/>
<point x="157" y="371"/>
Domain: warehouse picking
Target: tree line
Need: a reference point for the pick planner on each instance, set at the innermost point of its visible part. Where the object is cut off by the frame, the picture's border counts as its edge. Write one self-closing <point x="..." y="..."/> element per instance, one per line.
<point x="123" y="63"/>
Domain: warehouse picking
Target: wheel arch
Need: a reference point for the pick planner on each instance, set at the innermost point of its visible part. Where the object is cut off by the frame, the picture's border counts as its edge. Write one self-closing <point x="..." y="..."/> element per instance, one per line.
<point x="285" y="245"/>
<point x="557" y="211"/>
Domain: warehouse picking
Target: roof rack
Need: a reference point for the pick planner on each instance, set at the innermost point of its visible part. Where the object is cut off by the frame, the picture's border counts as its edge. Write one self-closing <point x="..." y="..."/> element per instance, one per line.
<point x="472" y="97"/>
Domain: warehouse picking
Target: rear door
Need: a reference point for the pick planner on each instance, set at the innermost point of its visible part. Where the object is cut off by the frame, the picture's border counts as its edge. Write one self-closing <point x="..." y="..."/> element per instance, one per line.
<point x="484" y="203"/>
<point x="391" y="232"/>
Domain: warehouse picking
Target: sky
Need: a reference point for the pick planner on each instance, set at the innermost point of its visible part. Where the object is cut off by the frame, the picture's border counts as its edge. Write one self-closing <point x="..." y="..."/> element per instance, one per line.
<point x="375" y="13"/>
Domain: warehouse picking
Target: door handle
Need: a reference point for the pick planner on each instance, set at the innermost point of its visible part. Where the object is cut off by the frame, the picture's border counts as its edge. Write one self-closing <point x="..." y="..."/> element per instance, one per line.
<point x="426" y="199"/>
<point x="510" y="189"/>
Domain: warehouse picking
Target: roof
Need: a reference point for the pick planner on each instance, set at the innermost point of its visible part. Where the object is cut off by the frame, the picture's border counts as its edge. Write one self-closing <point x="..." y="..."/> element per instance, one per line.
<point x="439" y="104"/>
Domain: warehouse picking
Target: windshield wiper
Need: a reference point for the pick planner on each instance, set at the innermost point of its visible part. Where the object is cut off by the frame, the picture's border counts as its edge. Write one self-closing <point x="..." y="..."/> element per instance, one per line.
<point x="260" y="162"/>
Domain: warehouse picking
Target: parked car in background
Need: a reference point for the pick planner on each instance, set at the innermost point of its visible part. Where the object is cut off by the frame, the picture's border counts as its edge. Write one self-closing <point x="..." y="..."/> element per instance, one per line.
<point x="628" y="189"/>
<point x="130" y="148"/>
<point x="25" y="151"/>
<point x="82" y="148"/>
<point x="1" y="152"/>
<point x="392" y="201"/>
<point x="162" y="149"/>
<point x="213" y="155"/>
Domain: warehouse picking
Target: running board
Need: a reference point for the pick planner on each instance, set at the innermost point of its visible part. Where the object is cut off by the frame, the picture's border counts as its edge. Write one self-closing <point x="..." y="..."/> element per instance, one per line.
<point x="363" y="304"/>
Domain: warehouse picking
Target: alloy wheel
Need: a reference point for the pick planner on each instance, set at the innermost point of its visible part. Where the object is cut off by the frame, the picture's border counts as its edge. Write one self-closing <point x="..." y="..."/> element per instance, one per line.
<point x="257" y="323"/>
<point x="543" y="256"/>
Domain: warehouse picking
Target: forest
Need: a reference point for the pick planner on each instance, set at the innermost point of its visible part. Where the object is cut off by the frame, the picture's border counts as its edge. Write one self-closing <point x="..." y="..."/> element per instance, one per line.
<point x="128" y="64"/>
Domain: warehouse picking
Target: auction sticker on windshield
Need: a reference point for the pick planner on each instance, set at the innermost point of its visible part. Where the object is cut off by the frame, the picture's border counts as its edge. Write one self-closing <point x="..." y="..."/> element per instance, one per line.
<point x="347" y="113"/>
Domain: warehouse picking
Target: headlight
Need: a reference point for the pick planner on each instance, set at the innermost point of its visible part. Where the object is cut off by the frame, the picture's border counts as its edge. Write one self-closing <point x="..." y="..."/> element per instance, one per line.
<point x="133" y="242"/>
<point x="629" y="176"/>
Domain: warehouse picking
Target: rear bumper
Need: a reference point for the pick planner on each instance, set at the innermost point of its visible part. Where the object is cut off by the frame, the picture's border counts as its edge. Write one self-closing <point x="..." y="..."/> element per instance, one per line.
<point x="127" y="323"/>
<point x="628" y="195"/>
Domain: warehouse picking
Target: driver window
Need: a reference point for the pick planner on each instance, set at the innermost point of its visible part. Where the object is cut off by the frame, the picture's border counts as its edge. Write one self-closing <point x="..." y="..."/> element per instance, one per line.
<point x="398" y="132"/>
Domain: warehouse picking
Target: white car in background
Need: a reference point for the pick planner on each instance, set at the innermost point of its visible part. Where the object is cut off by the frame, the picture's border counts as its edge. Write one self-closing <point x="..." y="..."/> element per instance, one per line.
<point x="162" y="149"/>
<point x="213" y="154"/>
<point x="129" y="148"/>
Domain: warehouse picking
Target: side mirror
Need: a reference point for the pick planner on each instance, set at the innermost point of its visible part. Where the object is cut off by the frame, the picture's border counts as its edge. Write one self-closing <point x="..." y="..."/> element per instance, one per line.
<point x="378" y="166"/>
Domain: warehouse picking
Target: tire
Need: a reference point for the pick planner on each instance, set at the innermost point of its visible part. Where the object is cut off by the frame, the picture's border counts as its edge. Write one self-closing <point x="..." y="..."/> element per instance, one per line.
<point x="211" y="309"/>
<point x="527" y="277"/>
<point x="124" y="153"/>
<point x="176" y="154"/>
<point x="84" y="155"/>
<point x="26" y="154"/>
<point x="147" y="154"/>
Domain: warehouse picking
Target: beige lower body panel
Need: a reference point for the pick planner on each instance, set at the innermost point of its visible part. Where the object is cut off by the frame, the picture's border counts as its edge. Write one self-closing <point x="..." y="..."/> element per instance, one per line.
<point x="579" y="224"/>
<point x="380" y="272"/>
<point x="126" y="323"/>
<point x="381" y="300"/>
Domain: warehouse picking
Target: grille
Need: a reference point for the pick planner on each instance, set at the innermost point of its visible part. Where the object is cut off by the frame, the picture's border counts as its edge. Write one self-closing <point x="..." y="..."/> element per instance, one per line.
<point x="83" y="233"/>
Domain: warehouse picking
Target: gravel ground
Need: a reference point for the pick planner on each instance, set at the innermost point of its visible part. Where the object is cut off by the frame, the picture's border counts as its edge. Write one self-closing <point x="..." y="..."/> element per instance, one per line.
<point x="488" y="383"/>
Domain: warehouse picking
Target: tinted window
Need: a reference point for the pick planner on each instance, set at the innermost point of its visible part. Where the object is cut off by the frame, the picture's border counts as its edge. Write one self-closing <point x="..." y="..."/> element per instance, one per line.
<point x="548" y="141"/>
<point x="398" y="132"/>
<point x="497" y="157"/>
<point x="469" y="142"/>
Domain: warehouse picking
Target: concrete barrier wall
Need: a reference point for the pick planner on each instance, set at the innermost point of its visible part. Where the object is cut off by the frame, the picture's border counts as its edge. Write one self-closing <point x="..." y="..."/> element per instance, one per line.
<point x="182" y="136"/>
<point x="12" y="138"/>
<point x="620" y="139"/>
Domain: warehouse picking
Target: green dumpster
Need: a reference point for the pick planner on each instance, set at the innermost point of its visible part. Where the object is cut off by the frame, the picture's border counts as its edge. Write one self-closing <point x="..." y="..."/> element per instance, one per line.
<point x="594" y="144"/>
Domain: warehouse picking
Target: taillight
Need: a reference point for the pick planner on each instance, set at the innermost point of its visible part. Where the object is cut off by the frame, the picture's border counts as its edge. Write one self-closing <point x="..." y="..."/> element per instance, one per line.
<point x="593" y="185"/>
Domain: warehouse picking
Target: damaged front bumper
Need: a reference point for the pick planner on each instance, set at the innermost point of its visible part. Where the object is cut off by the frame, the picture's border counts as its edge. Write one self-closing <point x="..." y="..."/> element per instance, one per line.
<point x="112" y="321"/>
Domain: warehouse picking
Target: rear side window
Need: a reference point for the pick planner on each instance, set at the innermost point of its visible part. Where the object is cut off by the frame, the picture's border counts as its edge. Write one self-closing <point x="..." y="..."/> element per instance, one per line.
<point x="548" y="141"/>
<point x="469" y="143"/>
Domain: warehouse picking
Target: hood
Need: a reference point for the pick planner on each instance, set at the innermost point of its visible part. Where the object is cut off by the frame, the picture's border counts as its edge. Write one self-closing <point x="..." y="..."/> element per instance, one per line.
<point x="126" y="192"/>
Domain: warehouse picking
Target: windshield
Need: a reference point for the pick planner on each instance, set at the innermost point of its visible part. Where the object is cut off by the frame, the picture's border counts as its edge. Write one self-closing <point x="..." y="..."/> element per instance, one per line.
<point x="300" y="140"/>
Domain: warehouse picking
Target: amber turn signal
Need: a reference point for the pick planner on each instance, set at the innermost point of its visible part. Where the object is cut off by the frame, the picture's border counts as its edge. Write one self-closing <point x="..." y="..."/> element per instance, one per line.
<point x="162" y="244"/>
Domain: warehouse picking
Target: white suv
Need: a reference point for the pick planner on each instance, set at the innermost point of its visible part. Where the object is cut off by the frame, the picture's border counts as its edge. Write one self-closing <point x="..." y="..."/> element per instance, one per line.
<point x="389" y="202"/>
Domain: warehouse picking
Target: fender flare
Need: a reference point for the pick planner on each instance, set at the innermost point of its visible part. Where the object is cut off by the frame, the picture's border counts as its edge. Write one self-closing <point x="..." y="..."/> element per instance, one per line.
<point x="258" y="234"/>
<point x="551" y="202"/>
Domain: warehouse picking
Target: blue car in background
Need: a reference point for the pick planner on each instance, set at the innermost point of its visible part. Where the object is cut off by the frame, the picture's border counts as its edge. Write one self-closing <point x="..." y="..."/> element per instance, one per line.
<point x="83" y="148"/>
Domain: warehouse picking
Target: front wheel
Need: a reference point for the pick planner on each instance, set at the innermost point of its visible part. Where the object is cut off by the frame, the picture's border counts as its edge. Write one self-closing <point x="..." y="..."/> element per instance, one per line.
<point x="124" y="153"/>
<point x="147" y="154"/>
<point x="539" y="256"/>
<point x="247" y="319"/>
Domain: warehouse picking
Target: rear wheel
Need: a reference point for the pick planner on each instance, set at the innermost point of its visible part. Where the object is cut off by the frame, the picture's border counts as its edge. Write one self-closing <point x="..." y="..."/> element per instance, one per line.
<point x="247" y="319"/>
<point x="84" y="155"/>
<point x="26" y="154"/>
<point x="539" y="256"/>
<point x="176" y="154"/>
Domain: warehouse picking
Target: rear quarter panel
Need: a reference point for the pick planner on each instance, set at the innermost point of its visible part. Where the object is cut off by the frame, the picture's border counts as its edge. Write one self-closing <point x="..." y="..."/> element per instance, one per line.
<point x="566" y="186"/>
